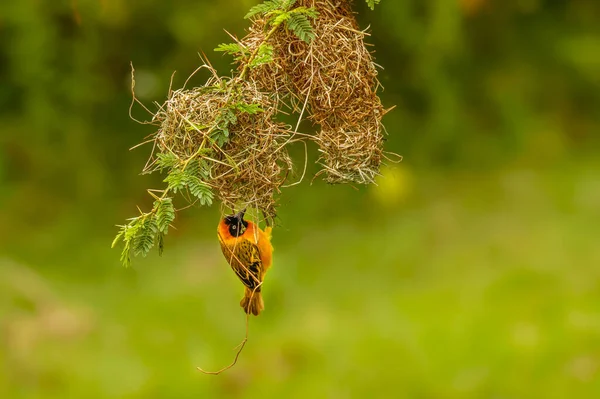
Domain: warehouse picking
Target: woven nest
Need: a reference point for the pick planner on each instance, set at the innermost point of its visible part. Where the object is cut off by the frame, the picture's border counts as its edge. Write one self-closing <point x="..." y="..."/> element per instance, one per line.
<point x="249" y="168"/>
<point x="335" y="78"/>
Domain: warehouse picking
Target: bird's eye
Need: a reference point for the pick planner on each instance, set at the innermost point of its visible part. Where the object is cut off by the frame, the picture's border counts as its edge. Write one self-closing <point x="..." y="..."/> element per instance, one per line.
<point x="234" y="227"/>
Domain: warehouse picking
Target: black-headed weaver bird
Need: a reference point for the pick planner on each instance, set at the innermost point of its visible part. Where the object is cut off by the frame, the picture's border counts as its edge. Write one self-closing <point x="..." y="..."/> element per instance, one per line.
<point x="248" y="250"/>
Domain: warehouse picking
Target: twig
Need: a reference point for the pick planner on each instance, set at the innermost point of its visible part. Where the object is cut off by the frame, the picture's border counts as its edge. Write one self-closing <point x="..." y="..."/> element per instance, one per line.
<point x="237" y="354"/>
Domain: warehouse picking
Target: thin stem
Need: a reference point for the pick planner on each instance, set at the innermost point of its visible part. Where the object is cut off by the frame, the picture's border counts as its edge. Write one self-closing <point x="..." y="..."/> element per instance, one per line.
<point x="255" y="53"/>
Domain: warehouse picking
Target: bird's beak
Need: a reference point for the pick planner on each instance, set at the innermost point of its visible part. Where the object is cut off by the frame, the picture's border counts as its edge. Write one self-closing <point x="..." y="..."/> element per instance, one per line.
<point x="240" y="214"/>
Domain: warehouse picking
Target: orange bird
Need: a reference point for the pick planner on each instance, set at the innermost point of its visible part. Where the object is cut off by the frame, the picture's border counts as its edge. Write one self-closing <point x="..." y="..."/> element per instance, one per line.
<point x="248" y="250"/>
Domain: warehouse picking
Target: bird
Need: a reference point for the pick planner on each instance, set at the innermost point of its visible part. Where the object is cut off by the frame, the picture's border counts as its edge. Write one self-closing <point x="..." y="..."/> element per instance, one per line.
<point x="248" y="250"/>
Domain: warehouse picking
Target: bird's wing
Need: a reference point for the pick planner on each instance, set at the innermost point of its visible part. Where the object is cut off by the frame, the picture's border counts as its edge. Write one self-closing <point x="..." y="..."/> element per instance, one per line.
<point x="249" y="265"/>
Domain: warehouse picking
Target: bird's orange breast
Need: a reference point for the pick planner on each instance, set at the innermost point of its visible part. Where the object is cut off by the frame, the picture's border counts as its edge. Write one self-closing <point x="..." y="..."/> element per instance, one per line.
<point x="255" y="235"/>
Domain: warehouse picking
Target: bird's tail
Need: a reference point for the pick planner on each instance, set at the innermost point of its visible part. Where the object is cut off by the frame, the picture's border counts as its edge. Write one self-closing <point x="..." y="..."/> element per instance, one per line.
<point x="252" y="301"/>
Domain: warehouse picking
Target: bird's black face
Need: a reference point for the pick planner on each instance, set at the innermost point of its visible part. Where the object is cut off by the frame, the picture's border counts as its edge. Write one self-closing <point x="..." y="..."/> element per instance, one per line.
<point x="236" y="223"/>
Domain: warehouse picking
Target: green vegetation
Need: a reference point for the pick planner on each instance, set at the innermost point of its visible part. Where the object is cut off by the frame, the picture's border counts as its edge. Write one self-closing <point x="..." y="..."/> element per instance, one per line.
<point x="279" y="11"/>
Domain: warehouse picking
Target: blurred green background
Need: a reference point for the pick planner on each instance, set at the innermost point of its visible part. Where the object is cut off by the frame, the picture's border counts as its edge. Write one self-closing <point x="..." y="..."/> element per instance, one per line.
<point x="471" y="271"/>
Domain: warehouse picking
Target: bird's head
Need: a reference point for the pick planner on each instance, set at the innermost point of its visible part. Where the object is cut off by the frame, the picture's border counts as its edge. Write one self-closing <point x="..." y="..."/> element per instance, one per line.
<point x="236" y="223"/>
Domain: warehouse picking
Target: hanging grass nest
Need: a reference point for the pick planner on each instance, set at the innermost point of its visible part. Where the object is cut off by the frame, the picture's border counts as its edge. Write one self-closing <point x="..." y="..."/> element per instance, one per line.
<point x="224" y="133"/>
<point x="222" y="140"/>
<point x="334" y="77"/>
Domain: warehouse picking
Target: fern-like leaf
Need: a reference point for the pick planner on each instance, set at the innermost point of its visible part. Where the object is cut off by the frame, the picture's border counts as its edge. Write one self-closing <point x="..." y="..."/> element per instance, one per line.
<point x="371" y="3"/>
<point x="220" y="136"/>
<point x="193" y="168"/>
<point x="165" y="160"/>
<point x="263" y="56"/>
<point x="145" y="236"/>
<point x="226" y="117"/>
<point x="175" y="180"/>
<point x="132" y="229"/>
<point x="119" y="236"/>
<point x="203" y="169"/>
<point x="235" y="49"/>
<point x="229" y="48"/>
<point x="265" y="8"/>
<point x="165" y="214"/>
<point x="308" y="11"/>
<point x="126" y="255"/>
<point x="281" y="17"/>
<point x="251" y="108"/>
<point x="299" y="24"/>
<point x="270" y="6"/>
<point x="200" y="190"/>
<point x="128" y="233"/>
<point x="199" y="168"/>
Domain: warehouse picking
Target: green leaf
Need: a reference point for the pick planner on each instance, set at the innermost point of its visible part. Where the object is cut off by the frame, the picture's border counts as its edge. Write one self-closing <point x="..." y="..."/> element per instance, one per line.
<point x="200" y="190"/>
<point x="165" y="214"/>
<point x="175" y="180"/>
<point x="269" y="6"/>
<point x="308" y="11"/>
<point x="235" y="49"/>
<point x="192" y="168"/>
<point x="127" y="234"/>
<point x="220" y="136"/>
<point x="226" y="117"/>
<point x="165" y="160"/>
<point x="204" y="169"/>
<point x="300" y="25"/>
<point x="199" y="168"/>
<point x="229" y="48"/>
<point x="145" y="236"/>
<point x="280" y="18"/>
<point x="119" y="236"/>
<point x="132" y="228"/>
<point x="125" y="255"/>
<point x="371" y="3"/>
<point x="251" y="108"/>
<point x="287" y="4"/>
<point x="263" y="56"/>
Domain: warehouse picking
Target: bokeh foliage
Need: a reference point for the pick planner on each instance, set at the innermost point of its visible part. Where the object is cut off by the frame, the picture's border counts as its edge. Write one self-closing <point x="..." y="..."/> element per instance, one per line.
<point x="471" y="271"/>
